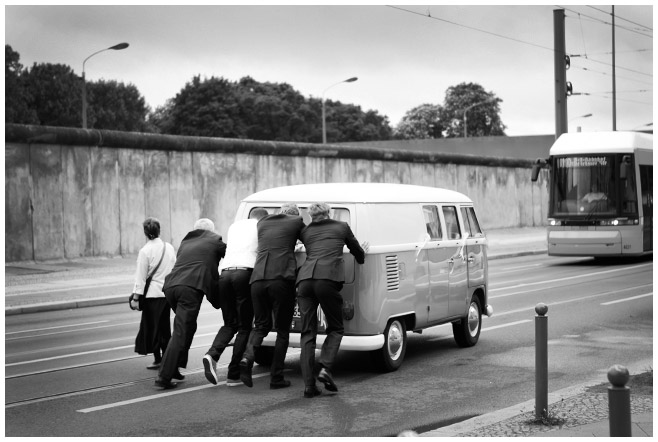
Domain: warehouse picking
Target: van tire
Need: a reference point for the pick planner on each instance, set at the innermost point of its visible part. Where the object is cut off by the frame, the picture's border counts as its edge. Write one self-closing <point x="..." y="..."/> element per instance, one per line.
<point x="264" y="355"/>
<point x="390" y="356"/>
<point x="467" y="330"/>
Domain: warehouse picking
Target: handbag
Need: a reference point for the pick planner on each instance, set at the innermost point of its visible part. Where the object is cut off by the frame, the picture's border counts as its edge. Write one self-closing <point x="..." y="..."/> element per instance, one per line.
<point x="140" y="298"/>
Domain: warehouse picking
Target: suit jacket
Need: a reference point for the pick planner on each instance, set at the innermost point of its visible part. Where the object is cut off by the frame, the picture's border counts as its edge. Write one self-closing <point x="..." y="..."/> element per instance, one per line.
<point x="277" y="236"/>
<point x="196" y="263"/>
<point x="324" y="241"/>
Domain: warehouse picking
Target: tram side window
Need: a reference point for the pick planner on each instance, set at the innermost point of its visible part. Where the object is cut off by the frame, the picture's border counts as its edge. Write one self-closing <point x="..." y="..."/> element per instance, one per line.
<point x="452" y="223"/>
<point x="629" y="189"/>
<point x="646" y="183"/>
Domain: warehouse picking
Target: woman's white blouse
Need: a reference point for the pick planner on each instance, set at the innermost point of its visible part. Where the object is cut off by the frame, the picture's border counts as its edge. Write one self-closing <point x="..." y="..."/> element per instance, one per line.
<point x="147" y="259"/>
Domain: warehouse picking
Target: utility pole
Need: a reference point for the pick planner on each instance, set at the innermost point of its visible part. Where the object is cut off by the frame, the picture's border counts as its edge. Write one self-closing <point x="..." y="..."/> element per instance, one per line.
<point x="559" y="62"/>
<point x="614" y="82"/>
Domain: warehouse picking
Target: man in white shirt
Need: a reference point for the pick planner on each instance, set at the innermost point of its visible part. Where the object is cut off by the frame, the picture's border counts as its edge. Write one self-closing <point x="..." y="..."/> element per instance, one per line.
<point x="235" y="296"/>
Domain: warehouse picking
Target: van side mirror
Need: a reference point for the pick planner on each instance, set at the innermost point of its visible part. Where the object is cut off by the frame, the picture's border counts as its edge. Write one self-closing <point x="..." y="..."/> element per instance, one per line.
<point x="623" y="167"/>
<point x="539" y="164"/>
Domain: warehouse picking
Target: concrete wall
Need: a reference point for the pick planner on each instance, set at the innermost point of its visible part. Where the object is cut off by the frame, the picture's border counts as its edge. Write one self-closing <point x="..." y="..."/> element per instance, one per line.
<point x="71" y="193"/>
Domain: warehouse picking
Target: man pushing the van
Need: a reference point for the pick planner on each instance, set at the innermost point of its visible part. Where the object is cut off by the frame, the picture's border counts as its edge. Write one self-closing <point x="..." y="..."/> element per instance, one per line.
<point x="319" y="281"/>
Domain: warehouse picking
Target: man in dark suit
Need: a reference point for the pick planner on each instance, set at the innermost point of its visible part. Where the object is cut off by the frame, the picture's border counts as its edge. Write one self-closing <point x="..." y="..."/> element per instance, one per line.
<point x="273" y="290"/>
<point x="319" y="281"/>
<point x="194" y="274"/>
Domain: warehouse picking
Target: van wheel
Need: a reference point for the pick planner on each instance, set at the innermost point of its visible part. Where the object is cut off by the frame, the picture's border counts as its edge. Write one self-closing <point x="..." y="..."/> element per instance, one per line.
<point x="264" y="355"/>
<point x="467" y="330"/>
<point x="391" y="355"/>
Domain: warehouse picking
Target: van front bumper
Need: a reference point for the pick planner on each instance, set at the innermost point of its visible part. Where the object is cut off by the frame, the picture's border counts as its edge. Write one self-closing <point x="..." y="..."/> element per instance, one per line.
<point x="356" y="343"/>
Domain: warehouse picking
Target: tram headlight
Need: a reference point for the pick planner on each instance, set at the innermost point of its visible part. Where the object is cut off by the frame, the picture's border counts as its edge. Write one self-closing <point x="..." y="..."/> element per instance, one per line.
<point x="620" y="222"/>
<point x="554" y="222"/>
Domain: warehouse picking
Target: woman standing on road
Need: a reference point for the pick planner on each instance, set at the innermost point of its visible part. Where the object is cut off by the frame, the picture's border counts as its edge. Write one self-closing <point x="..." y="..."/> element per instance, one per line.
<point x="155" y="260"/>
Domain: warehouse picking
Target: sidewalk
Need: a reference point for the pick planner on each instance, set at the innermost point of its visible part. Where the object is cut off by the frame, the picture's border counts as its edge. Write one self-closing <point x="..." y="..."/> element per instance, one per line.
<point x="32" y="287"/>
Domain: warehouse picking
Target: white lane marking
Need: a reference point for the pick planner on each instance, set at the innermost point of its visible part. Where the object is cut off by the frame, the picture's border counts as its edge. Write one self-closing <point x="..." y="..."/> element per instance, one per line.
<point x="90" y="352"/>
<point x="627" y="299"/>
<point x="53" y="328"/>
<point x="524" y="266"/>
<point x="494" y="327"/>
<point x="450" y="336"/>
<point x="120" y="324"/>
<point x="158" y="396"/>
<point x="568" y="278"/>
<point x="539" y="289"/>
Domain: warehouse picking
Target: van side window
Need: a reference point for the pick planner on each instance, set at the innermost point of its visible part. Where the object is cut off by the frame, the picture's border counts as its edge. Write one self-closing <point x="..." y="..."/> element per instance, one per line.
<point x="432" y="222"/>
<point x="452" y="223"/>
<point x="471" y="222"/>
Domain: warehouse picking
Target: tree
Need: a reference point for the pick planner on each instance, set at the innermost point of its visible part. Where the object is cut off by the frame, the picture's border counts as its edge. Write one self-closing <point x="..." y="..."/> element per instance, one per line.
<point x="116" y="106"/>
<point x="205" y="108"/>
<point x="161" y="119"/>
<point x="54" y="93"/>
<point x="481" y="107"/>
<point x="16" y="95"/>
<point x="421" y="122"/>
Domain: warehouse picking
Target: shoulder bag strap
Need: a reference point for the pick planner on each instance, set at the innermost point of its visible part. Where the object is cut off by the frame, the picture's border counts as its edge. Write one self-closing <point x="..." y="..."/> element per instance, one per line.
<point x="164" y="248"/>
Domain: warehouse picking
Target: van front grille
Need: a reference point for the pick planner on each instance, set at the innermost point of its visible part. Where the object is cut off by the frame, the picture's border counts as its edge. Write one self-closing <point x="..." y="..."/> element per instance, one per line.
<point x="392" y="273"/>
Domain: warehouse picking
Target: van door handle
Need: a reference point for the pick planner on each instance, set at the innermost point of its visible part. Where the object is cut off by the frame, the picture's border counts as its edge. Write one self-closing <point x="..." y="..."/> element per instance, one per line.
<point x="471" y="259"/>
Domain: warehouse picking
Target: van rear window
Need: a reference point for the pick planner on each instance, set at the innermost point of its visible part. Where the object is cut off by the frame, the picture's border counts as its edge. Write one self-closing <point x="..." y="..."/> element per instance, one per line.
<point x="337" y="213"/>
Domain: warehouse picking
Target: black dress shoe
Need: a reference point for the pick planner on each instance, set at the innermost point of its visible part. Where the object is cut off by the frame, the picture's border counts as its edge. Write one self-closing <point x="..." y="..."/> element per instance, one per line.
<point x="245" y="372"/>
<point x="327" y="380"/>
<point x="178" y="376"/>
<point x="279" y="384"/>
<point x="153" y="366"/>
<point x="165" y="384"/>
<point x="311" y="392"/>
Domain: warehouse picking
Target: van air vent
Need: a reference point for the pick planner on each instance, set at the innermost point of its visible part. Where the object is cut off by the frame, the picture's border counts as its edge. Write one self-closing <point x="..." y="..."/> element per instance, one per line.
<point x="392" y="273"/>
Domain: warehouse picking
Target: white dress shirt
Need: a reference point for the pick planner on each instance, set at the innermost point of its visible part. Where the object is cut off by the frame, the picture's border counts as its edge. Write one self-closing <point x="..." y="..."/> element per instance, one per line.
<point x="241" y="245"/>
<point x="147" y="259"/>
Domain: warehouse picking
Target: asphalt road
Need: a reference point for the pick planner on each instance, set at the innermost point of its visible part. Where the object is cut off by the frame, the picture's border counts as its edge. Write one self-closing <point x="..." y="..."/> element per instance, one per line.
<point x="74" y="373"/>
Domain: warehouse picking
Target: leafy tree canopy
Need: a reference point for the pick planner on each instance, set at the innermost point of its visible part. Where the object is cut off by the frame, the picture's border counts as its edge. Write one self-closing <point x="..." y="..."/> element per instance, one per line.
<point x="481" y="108"/>
<point x="421" y="122"/>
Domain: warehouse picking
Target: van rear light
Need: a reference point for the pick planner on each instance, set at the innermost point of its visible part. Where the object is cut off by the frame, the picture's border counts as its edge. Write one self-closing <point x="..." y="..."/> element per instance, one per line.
<point x="392" y="273"/>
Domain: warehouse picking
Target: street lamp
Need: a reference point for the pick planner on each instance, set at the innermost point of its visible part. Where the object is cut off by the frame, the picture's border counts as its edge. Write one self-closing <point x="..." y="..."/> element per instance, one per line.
<point x="84" y="82"/>
<point x="578" y="129"/>
<point x="324" y="127"/>
<point x="471" y="107"/>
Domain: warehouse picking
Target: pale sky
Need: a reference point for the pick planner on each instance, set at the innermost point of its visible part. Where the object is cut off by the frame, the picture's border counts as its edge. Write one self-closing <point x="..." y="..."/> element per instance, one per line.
<point x="403" y="56"/>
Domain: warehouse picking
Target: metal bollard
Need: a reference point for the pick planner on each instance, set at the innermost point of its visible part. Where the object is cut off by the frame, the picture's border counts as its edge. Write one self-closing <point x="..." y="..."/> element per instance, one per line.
<point x="619" y="402"/>
<point x="541" y="360"/>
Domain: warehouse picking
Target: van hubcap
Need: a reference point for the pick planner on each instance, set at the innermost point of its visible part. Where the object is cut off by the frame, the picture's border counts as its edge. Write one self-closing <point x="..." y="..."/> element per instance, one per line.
<point x="394" y="341"/>
<point x="473" y="319"/>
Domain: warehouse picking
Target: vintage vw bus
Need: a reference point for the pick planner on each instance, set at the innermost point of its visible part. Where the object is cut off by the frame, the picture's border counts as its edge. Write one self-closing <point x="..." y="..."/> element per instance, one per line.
<point x="426" y="265"/>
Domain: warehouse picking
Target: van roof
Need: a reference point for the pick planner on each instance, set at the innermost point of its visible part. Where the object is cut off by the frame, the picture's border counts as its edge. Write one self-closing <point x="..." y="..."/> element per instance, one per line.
<point x="601" y="142"/>
<point x="358" y="193"/>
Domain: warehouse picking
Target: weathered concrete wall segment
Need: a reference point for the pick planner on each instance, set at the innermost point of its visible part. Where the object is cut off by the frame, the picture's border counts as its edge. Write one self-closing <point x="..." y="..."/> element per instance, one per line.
<point x="71" y="192"/>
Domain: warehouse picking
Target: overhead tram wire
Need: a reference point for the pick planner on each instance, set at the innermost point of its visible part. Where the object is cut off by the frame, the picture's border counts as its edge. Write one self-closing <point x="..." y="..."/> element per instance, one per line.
<point x="471" y="28"/>
<point x="606" y="22"/>
<point x="621" y="18"/>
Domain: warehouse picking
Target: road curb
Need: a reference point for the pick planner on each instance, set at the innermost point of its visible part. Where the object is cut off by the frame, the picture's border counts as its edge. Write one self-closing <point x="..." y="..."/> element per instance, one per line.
<point x="64" y="305"/>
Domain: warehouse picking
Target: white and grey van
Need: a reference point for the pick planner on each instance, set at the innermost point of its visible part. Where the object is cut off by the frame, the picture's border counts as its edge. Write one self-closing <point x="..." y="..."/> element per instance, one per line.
<point x="426" y="265"/>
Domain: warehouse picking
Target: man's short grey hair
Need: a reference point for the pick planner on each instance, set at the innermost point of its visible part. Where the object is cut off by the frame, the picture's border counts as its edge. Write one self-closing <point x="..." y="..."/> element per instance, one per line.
<point x="319" y="211"/>
<point x="204" y="224"/>
<point x="290" y="209"/>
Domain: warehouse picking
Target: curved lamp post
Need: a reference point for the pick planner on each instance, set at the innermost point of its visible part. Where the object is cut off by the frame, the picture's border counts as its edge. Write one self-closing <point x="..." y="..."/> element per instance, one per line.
<point x="471" y="107"/>
<point x="84" y="82"/>
<point x="324" y="124"/>
<point x="582" y="116"/>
